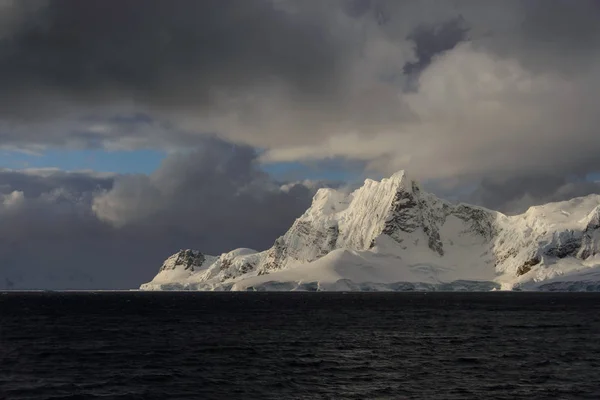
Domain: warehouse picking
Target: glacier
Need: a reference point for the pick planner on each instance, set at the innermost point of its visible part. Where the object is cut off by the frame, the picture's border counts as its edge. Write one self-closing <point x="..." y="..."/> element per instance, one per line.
<point x="391" y="235"/>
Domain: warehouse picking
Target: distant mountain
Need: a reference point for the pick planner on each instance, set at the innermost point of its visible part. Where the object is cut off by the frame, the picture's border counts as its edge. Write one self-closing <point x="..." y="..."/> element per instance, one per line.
<point x="391" y="235"/>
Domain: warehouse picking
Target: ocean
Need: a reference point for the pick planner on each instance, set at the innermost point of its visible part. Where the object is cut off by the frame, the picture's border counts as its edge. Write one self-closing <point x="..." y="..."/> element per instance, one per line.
<point x="177" y="345"/>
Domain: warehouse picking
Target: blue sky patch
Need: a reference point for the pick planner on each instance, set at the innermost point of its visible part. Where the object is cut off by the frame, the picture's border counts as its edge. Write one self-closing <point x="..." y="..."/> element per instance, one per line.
<point x="135" y="161"/>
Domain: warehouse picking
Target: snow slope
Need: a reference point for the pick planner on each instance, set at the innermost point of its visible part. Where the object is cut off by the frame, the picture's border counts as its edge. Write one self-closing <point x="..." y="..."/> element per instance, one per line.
<point x="391" y="235"/>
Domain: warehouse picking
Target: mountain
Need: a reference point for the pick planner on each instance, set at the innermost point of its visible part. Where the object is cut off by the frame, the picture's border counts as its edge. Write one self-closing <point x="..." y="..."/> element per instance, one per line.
<point x="392" y="235"/>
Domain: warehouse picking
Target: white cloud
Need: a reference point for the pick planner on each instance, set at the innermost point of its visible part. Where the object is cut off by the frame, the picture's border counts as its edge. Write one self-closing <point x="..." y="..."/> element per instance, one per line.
<point x="78" y="230"/>
<point x="319" y="80"/>
<point x="12" y="200"/>
<point x="476" y="113"/>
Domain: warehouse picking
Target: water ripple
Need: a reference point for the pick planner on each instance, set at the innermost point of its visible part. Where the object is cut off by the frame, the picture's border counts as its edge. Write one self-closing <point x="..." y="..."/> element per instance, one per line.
<point x="299" y="346"/>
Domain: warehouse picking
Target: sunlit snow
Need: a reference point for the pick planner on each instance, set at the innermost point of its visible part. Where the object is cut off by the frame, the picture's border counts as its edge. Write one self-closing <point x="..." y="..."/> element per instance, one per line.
<point x="391" y="235"/>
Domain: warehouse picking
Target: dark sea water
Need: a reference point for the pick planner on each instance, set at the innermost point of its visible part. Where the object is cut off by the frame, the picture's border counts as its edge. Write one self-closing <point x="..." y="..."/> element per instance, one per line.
<point x="299" y="346"/>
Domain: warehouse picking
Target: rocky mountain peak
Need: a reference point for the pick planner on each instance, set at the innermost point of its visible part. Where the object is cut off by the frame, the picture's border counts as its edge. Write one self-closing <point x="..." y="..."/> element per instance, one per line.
<point x="392" y="229"/>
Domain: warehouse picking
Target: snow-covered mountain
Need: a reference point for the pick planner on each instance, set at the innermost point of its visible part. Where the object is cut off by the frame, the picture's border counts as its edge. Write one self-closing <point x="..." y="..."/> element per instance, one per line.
<point x="391" y="235"/>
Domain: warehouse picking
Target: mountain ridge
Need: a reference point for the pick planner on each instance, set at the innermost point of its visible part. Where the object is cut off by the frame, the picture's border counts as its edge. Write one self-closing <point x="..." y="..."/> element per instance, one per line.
<point x="391" y="233"/>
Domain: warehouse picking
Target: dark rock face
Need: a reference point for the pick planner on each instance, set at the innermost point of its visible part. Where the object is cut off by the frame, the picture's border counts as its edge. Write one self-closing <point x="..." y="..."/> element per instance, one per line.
<point x="434" y="241"/>
<point x="247" y="267"/>
<point x="481" y="221"/>
<point x="501" y="257"/>
<point x="228" y="272"/>
<point x="274" y="257"/>
<point x="594" y="222"/>
<point x="565" y="247"/>
<point x="328" y="243"/>
<point x="403" y="214"/>
<point x="526" y="267"/>
<point x="588" y="248"/>
<point x="574" y="243"/>
<point x="578" y="244"/>
<point x="322" y="241"/>
<point x="409" y="213"/>
<point x="431" y="221"/>
<point x="225" y="264"/>
<point x="190" y="259"/>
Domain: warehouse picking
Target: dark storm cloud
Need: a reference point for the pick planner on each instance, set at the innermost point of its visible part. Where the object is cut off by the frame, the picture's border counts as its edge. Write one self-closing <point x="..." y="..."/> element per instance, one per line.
<point x="514" y="194"/>
<point x="551" y="35"/>
<point x="84" y="230"/>
<point x="34" y="182"/>
<point x="432" y="40"/>
<point x="503" y="88"/>
<point x="217" y="193"/>
<point x="159" y="52"/>
<point x="357" y="8"/>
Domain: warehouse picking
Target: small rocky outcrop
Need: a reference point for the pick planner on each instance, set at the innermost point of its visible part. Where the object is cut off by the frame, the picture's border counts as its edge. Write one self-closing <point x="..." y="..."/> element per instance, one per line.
<point x="189" y="259"/>
<point x="526" y="267"/>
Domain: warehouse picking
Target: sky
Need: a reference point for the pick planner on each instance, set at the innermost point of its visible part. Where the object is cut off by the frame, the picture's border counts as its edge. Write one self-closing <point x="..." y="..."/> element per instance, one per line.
<point x="132" y="128"/>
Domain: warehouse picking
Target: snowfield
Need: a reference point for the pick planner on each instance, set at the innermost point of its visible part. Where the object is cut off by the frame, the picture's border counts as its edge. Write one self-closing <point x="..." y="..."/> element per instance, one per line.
<point x="393" y="236"/>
